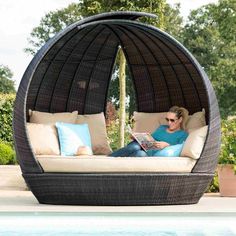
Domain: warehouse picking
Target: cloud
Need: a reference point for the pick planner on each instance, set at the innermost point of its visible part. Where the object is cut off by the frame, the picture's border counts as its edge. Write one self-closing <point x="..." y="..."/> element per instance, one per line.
<point x="17" y="19"/>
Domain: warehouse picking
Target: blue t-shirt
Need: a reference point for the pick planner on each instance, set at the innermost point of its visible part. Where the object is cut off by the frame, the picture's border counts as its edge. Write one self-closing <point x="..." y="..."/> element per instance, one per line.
<point x="161" y="134"/>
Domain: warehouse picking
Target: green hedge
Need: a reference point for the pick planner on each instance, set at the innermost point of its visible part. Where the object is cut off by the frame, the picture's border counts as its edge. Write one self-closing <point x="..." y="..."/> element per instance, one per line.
<point x="214" y="186"/>
<point x="7" y="154"/>
<point x="113" y="135"/>
<point x="228" y="148"/>
<point x="228" y="140"/>
<point x="6" y="114"/>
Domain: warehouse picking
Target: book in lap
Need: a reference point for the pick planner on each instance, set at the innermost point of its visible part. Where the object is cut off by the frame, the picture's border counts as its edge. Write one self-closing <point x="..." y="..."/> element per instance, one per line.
<point x="145" y="140"/>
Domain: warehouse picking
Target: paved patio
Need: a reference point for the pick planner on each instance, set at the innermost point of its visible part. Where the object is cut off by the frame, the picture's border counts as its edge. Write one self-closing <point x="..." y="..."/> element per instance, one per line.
<point x="24" y="201"/>
<point x="14" y="197"/>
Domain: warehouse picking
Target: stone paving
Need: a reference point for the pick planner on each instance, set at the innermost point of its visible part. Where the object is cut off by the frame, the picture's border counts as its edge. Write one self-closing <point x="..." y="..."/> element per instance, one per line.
<point x="14" y="197"/>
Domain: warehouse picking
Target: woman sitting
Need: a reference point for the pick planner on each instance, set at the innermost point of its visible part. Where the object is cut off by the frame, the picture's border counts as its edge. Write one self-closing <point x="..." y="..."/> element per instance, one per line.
<point x="165" y="135"/>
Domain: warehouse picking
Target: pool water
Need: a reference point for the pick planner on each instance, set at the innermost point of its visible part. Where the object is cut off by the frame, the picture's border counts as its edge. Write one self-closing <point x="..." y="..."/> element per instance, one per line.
<point x="104" y="224"/>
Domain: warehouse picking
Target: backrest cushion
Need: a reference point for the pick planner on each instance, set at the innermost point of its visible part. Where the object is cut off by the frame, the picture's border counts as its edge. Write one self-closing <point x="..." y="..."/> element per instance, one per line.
<point x="196" y="121"/>
<point x="169" y="151"/>
<point x="72" y="137"/>
<point x="97" y="128"/>
<point x="51" y="118"/>
<point x="194" y="143"/>
<point x="43" y="139"/>
<point x="148" y="122"/>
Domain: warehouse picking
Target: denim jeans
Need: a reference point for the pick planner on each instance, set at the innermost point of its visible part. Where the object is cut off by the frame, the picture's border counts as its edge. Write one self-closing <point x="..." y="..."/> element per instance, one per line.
<point x="133" y="149"/>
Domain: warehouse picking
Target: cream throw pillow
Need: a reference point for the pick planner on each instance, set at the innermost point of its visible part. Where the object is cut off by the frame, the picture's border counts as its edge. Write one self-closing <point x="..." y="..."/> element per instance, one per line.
<point x="43" y="139"/>
<point x="196" y="121"/>
<point x="98" y="133"/>
<point x="148" y="122"/>
<point x="194" y="143"/>
<point x="51" y="118"/>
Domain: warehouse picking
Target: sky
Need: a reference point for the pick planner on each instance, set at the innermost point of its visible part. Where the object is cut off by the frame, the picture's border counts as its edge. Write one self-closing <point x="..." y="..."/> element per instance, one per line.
<point x="19" y="17"/>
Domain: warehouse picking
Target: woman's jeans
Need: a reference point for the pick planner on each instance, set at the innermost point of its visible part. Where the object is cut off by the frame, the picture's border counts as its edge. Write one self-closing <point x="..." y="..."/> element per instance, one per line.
<point x="133" y="149"/>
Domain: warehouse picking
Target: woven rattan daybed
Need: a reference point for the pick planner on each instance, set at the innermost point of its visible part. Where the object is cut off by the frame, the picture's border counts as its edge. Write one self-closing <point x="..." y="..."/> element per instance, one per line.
<point x="164" y="73"/>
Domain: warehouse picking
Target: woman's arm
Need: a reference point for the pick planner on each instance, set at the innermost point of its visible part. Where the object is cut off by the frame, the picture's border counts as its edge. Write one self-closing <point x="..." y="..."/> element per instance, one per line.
<point x="183" y="138"/>
<point x="161" y="144"/>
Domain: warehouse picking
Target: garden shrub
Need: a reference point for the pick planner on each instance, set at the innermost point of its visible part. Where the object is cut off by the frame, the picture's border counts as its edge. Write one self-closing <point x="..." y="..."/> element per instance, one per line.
<point x="7" y="154"/>
<point x="228" y="148"/>
<point x="112" y="123"/>
<point x="228" y="140"/>
<point x="6" y="114"/>
<point x="113" y="135"/>
<point x="214" y="186"/>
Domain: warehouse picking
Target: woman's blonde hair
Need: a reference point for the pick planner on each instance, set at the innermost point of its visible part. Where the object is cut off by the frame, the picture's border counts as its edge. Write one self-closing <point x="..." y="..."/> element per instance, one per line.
<point x="180" y="112"/>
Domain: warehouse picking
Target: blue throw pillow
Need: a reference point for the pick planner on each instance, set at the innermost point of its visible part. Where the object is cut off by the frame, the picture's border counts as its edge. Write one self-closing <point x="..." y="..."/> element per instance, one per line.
<point x="170" y="151"/>
<point x="72" y="136"/>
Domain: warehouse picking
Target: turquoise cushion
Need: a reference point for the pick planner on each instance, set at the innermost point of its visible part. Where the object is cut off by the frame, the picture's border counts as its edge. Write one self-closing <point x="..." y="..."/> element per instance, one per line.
<point x="170" y="151"/>
<point x="72" y="136"/>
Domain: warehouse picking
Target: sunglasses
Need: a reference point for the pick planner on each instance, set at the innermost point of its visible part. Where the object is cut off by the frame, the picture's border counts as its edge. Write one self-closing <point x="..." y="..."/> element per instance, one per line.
<point x="171" y="120"/>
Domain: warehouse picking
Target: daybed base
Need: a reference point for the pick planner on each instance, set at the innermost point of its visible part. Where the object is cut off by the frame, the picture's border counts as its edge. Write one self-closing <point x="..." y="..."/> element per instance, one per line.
<point x="118" y="189"/>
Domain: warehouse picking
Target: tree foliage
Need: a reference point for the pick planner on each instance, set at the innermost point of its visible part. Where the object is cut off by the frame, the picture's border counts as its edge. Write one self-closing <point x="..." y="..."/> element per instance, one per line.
<point x="6" y="113"/>
<point x="52" y="23"/>
<point x="6" y="84"/>
<point x="7" y="154"/>
<point x="211" y="36"/>
<point x="228" y="146"/>
<point x="168" y="19"/>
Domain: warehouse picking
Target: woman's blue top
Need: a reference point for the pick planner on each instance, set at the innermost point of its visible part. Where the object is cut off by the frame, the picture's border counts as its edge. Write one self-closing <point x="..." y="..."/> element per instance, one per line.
<point x="161" y="134"/>
<point x="177" y="137"/>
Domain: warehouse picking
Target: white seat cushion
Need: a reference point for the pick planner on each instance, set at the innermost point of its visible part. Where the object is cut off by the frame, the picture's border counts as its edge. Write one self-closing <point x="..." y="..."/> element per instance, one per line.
<point x="98" y="164"/>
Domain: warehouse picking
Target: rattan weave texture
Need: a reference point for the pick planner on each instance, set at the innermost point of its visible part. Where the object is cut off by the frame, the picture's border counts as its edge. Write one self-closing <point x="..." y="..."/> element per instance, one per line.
<point x="72" y="71"/>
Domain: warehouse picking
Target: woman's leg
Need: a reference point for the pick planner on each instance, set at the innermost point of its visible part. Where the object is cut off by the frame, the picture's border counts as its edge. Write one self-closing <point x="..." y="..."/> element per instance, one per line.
<point x="126" y="151"/>
<point x="139" y="153"/>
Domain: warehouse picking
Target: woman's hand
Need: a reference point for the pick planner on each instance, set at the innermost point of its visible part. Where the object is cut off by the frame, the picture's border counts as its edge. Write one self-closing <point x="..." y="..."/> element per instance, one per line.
<point x="161" y="145"/>
<point x="131" y="137"/>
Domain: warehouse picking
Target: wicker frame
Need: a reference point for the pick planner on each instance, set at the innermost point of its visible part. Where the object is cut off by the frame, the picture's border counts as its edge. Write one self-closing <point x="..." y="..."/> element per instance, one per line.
<point x="72" y="71"/>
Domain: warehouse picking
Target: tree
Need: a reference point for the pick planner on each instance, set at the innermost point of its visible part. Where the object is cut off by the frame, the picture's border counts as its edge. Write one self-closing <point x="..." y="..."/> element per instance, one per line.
<point x="6" y="84"/>
<point x="52" y="23"/>
<point x="211" y="36"/>
<point x="122" y="83"/>
<point x="169" y="17"/>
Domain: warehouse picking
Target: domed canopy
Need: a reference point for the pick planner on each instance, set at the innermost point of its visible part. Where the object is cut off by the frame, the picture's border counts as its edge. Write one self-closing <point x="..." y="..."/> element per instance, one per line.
<point x="76" y="67"/>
